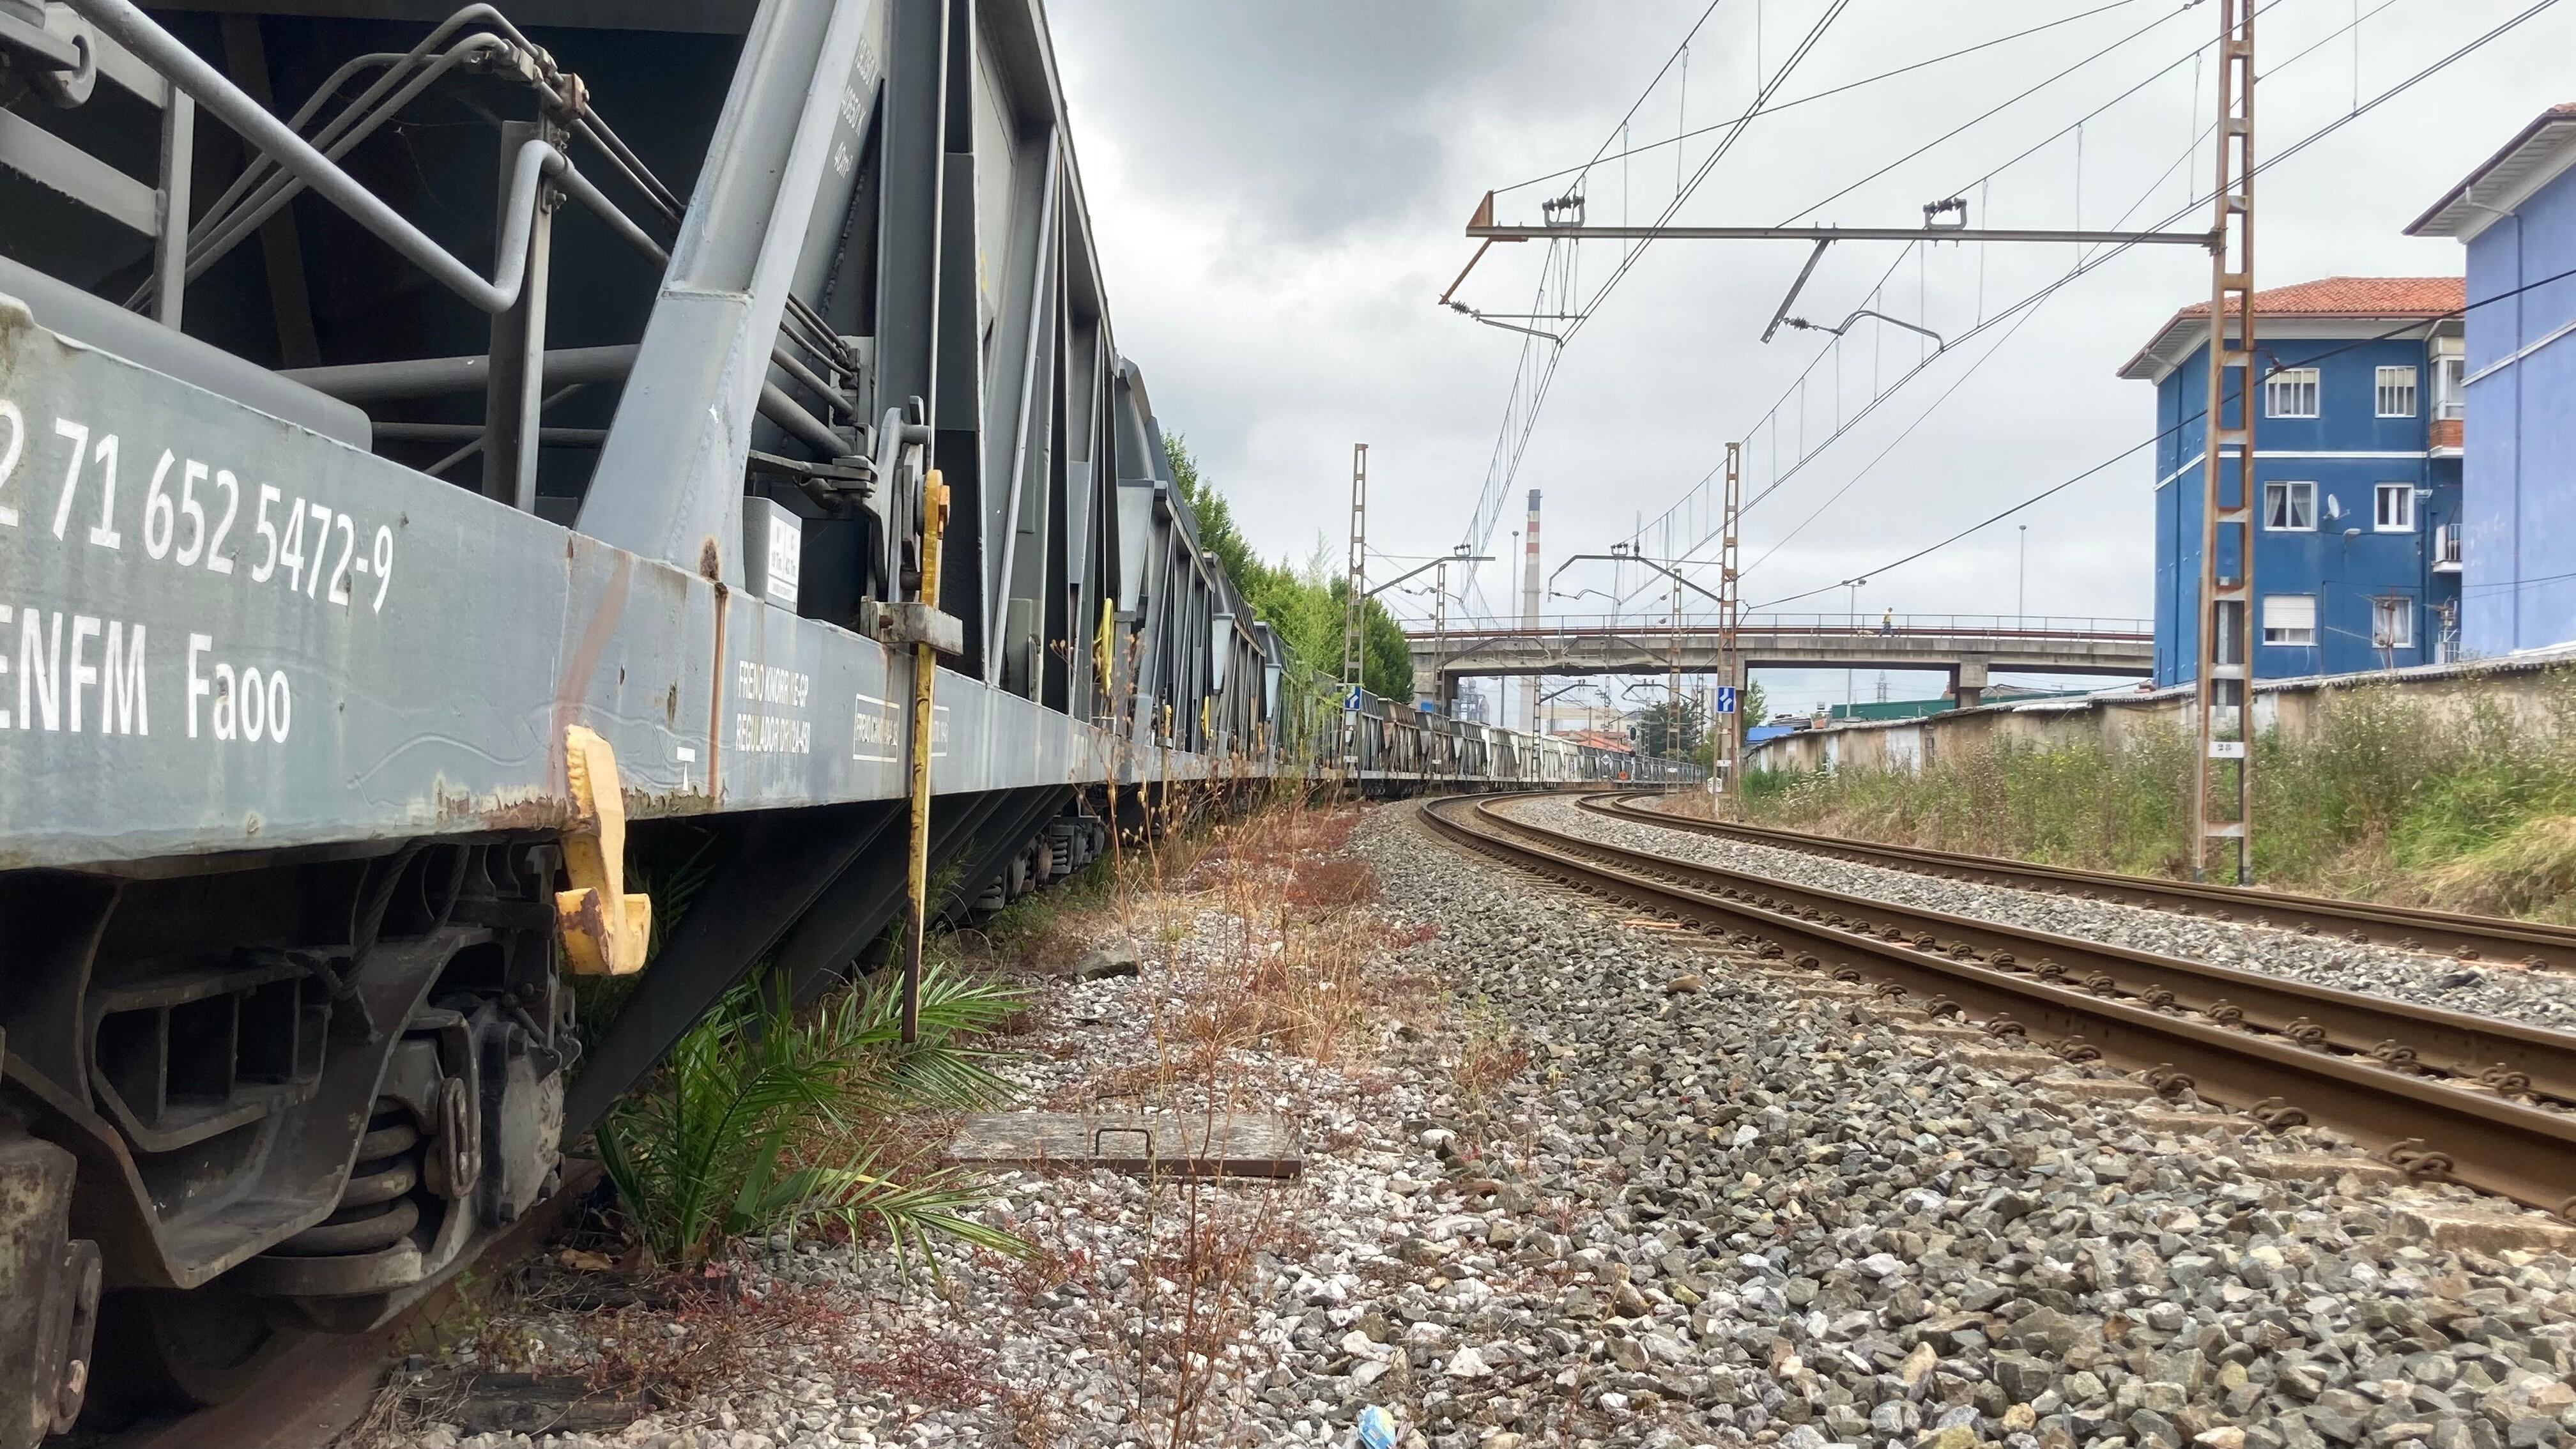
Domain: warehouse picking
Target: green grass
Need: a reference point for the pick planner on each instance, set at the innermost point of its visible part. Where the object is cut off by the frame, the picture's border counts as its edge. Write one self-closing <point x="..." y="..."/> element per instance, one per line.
<point x="2388" y="800"/>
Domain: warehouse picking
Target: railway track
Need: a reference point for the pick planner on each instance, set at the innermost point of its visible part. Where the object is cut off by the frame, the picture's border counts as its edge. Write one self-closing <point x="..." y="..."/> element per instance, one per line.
<point x="2466" y="937"/>
<point x="2440" y="1094"/>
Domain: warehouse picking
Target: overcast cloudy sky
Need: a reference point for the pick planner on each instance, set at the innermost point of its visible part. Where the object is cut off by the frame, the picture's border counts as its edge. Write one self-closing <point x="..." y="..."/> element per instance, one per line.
<point x="1280" y="191"/>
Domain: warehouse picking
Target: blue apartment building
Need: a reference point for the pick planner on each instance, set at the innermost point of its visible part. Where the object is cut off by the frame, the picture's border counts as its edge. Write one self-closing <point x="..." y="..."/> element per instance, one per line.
<point x="2357" y="555"/>
<point x="2517" y="214"/>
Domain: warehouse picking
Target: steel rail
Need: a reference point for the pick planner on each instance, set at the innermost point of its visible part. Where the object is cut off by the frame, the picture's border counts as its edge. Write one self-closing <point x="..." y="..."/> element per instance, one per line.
<point x="2430" y="1128"/>
<point x="2505" y="1055"/>
<point x="2468" y="938"/>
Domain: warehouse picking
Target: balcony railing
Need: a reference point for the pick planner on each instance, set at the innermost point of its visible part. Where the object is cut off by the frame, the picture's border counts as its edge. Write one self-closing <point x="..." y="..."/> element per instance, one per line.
<point x="1999" y="627"/>
<point x="2446" y="549"/>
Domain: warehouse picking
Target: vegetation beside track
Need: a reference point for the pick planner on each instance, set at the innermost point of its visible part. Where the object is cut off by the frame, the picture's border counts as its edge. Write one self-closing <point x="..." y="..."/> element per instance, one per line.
<point x="1304" y="602"/>
<point x="2389" y="801"/>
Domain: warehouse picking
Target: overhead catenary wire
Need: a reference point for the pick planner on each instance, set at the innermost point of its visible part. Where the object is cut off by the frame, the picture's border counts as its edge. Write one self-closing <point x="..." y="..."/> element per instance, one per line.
<point x="1844" y="425"/>
<point x="1499" y="479"/>
<point x="1795" y="101"/>
<point x="2197" y="414"/>
<point x="2091" y="263"/>
<point x="1956" y="383"/>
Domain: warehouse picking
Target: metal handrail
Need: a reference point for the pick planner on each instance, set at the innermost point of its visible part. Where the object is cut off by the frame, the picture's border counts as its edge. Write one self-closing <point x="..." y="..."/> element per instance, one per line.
<point x="1999" y="626"/>
<point x="536" y="161"/>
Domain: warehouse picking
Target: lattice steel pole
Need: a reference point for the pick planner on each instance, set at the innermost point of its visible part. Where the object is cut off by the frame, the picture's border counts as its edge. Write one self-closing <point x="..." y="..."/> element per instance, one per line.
<point x="1673" y="678"/>
<point x="1355" y="615"/>
<point x="1440" y="637"/>
<point x="2223" y="771"/>
<point x="1730" y="603"/>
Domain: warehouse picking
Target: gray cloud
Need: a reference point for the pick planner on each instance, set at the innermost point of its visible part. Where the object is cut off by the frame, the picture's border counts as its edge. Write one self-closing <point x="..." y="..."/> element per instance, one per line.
<point x="1279" y="192"/>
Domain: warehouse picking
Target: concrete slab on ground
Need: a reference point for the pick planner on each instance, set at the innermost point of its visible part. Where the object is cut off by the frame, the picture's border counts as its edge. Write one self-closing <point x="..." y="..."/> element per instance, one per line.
<point x="1222" y="1144"/>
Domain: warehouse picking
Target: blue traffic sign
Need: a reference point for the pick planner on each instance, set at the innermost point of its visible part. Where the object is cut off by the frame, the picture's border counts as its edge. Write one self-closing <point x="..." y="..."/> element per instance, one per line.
<point x="1351" y="700"/>
<point x="1726" y="699"/>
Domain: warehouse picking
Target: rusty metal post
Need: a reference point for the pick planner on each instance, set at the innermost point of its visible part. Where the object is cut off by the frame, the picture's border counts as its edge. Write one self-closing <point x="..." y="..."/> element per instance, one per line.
<point x="916" y="911"/>
<point x="2223" y="767"/>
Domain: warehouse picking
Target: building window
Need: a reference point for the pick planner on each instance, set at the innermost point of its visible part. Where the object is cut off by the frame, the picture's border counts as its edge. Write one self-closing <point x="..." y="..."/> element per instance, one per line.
<point x="2392" y="623"/>
<point x="2291" y="393"/>
<point x="2396" y="392"/>
<point x="2396" y="512"/>
<point x="2290" y="506"/>
<point x="2289" y="618"/>
<point x="2448" y="386"/>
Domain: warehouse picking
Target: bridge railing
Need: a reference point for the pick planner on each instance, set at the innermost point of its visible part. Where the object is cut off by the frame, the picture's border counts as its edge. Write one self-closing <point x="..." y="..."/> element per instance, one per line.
<point x="1945" y="626"/>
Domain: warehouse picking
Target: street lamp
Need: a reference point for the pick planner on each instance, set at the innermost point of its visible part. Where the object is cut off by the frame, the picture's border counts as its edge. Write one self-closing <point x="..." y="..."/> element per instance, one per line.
<point x="2021" y="583"/>
<point x="1848" y="697"/>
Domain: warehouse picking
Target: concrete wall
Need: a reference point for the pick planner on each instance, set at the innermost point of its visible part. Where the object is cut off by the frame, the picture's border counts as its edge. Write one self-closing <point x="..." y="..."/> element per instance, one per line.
<point x="2520" y="519"/>
<point x="2449" y="695"/>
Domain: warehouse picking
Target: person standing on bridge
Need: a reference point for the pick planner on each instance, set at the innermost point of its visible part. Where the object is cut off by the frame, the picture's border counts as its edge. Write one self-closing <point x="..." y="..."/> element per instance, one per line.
<point x="1887" y="621"/>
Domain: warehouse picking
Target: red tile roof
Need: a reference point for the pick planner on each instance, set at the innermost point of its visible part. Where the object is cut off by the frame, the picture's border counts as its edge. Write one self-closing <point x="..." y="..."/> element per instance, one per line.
<point x="2356" y="297"/>
<point x="2388" y="297"/>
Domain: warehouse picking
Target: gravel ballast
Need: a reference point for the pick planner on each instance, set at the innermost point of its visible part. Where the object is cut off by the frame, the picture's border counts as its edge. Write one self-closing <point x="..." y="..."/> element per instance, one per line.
<point x="2538" y="996"/>
<point x="1593" y="1184"/>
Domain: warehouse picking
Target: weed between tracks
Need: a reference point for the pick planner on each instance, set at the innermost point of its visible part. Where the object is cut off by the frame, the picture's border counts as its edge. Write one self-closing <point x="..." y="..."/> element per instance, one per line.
<point x="1255" y="934"/>
<point x="1264" y="923"/>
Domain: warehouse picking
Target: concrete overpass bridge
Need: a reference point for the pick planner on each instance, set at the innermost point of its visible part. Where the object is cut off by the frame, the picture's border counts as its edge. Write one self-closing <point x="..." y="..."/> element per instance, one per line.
<point x="1966" y="647"/>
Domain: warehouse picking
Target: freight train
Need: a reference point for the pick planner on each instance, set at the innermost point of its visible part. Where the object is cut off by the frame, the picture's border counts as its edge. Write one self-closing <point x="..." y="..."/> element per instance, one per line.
<point x="454" y="466"/>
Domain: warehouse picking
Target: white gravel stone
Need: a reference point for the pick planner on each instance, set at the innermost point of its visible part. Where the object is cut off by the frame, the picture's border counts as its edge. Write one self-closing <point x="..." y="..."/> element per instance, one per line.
<point x="1760" y="1214"/>
<point x="2539" y="996"/>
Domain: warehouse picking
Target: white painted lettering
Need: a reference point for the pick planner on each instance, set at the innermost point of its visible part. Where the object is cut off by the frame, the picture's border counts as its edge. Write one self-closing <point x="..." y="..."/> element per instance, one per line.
<point x="338" y="593"/>
<point x="40" y="671"/>
<point x="218" y="561"/>
<point x="7" y="614"/>
<point x="159" y="518"/>
<point x="291" y="552"/>
<point x="261" y="571"/>
<point x="197" y="686"/>
<point x="384" y="563"/>
<point x="191" y="510"/>
<point x="227" y="693"/>
<point x="84" y="629"/>
<point x="104" y="533"/>
<point x="17" y="422"/>
<point x="281" y="706"/>
<point x="122" y="706"/>
<point x="321" y="545"/>
<point x="253" y="709"/>
<point x="79" y="434"/>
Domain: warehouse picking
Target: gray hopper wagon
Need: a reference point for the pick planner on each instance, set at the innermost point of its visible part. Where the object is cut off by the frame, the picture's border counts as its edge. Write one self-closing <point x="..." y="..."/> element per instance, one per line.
<point x="434" y="446"/>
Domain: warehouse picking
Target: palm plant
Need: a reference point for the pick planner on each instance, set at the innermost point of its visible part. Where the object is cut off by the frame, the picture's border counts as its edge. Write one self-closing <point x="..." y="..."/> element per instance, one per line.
<point x="720" y="1144"/>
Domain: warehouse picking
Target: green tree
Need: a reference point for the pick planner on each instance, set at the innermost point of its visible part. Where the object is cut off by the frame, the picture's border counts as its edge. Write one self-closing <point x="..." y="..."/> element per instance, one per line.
<point x="1670" y="730"/>
<point x="1305" y="606"/>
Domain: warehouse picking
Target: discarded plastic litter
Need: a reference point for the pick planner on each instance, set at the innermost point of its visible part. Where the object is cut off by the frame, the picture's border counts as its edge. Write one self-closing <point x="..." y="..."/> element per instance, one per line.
<point x="1377" y="1428"/>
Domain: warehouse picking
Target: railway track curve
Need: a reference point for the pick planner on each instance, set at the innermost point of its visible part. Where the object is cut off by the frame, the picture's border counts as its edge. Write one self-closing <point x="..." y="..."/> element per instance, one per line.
<point x="2467" y="937"/>
<point x="2412" y="1085"/>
